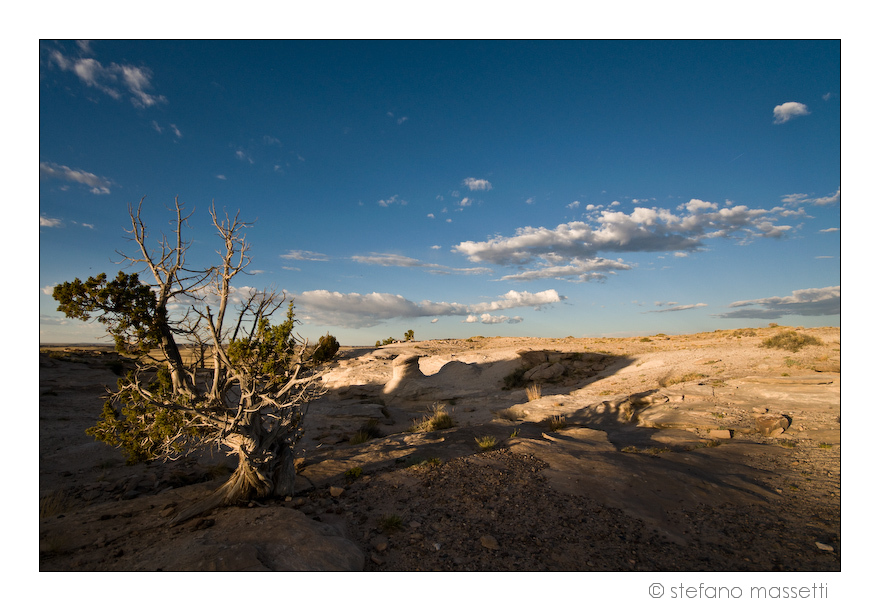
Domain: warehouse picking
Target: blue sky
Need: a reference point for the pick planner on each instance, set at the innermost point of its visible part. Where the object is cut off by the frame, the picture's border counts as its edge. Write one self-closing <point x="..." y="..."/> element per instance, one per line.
<point x="604" y="188"/>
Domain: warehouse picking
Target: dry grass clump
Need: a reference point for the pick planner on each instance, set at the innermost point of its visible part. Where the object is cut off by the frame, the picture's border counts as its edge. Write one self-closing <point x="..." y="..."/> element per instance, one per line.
<point x="436" y="420"/>
<point x="791" y="340"/>
<point x="55" y="503"/>
<point x="533" y="392"/>
<point x="556" y="422"/>
<point x="368" y="431"/>
<point x="670" y="380"/>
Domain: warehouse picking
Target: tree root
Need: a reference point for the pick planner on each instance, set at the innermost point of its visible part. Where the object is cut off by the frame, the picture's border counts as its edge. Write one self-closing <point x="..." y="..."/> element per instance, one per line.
<point x="245" y="483"/>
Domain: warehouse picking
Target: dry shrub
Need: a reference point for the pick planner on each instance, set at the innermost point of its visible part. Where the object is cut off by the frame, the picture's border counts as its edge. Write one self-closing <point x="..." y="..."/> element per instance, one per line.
<point x="533" y="392"/>
<point x="791" y="341"/>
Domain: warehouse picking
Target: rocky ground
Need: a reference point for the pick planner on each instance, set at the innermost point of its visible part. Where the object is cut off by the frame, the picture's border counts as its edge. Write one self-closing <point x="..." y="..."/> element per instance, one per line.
<point x="699" y="452"/>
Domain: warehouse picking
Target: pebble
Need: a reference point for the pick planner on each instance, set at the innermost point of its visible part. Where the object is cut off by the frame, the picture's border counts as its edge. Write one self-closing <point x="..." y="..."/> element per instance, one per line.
<point x="489" y="542"/>
<point x="824" y="547"/>
<point x="336" y="491"/>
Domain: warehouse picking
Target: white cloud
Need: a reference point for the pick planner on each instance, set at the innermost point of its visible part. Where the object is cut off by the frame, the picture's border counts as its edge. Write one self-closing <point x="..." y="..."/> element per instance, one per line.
<point x="517" y="299"/>
<point x="643" y="230"/>
<point x="576" y="270"/>
<point x="804" y="302"/>
<point x="49" y="222"/>
<point x="677" y="308"/>
<point x="829" y="230"/>
<point x="113" y="79"/>
<point x="574" y="204"/>
<point x="477" y="184"/>
<point x="175" y="130"/>
<point x="99" y="186"/>
<point x="305" y="255"/>
<point x="465" y="201"/>
<point x="488" y="319"/>
<point x="785" y="112"/>
<point x="241" y="155"/>
<point x="571" y="249"/>
<point x="394" y="260"/>
<point x="221" y="176"/>
<point x="394" y="199"/>
<point x="803" y="198"/>
<point x="353" y="310"/>
<point x="833" y="198"/>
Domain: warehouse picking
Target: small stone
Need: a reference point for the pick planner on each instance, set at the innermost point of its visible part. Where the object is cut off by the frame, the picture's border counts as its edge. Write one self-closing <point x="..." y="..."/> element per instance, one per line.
<point x="379" y="543"/>
<point x="720" y="434"/>
<point x="489" y="542"/>
<point x="824" y="547"/>
<point x="415" y="524"/>
<point x="376" y="559"/>
<point x="336" y="491"/>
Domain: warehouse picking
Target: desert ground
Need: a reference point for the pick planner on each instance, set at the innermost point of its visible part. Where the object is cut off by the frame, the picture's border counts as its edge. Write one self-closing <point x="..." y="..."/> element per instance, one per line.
<point x="708" y="452"/>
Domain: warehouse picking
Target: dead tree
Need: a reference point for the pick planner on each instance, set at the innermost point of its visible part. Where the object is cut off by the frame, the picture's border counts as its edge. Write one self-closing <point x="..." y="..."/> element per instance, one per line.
<point x="254" y="399"/>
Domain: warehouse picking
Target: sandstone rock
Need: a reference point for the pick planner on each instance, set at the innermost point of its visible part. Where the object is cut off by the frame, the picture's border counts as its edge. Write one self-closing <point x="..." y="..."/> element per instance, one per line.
<point x="720" y="434"/>
<point x="336" y="491"/>
<point x="531" y="358"/>
<point x="379" y="543"/>
<point x="768" y="424"/>
<point x="824" y="547"/>
<point x="544" y="371"/>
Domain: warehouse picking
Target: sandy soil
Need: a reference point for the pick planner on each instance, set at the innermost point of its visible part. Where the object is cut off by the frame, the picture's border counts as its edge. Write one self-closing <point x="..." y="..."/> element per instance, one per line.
<point x="700" y="452"/>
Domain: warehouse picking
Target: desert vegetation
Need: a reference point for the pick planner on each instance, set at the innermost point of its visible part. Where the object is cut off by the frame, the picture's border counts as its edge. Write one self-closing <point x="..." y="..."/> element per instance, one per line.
<point x="791" y="340"/>
<point x="254" y="398"/>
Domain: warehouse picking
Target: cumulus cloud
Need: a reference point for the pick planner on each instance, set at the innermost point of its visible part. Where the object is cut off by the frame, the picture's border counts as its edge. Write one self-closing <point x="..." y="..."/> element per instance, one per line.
<point x="477" y="184"/>
<point x="571" y="249"/>
<point x="355" y="310"/>
<point x="577" y="270"/>
<point x="785" y="112"/>
<point x="804" y="302"/>
<point x="99" y="186"/>
<point x="113" y="80"/>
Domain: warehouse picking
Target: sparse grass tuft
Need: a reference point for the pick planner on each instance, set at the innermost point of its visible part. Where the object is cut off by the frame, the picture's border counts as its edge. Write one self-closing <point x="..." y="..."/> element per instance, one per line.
<point x="533" y="392"/>
<point x="486" y="443"/>
<point x="556" y="422"/>
<point x="390" y="523"/>
<point x="436" y="420"/>
<point x="55" y="503"/>
<point x="368" y="431"/>
<point x="825" y="446"/>
<point x="514" y="379"/>
<point x="668" y="380"/>
<point x="353" y="473"/>
<point x="791" y="341"/>
<point x="514" y="433"/>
